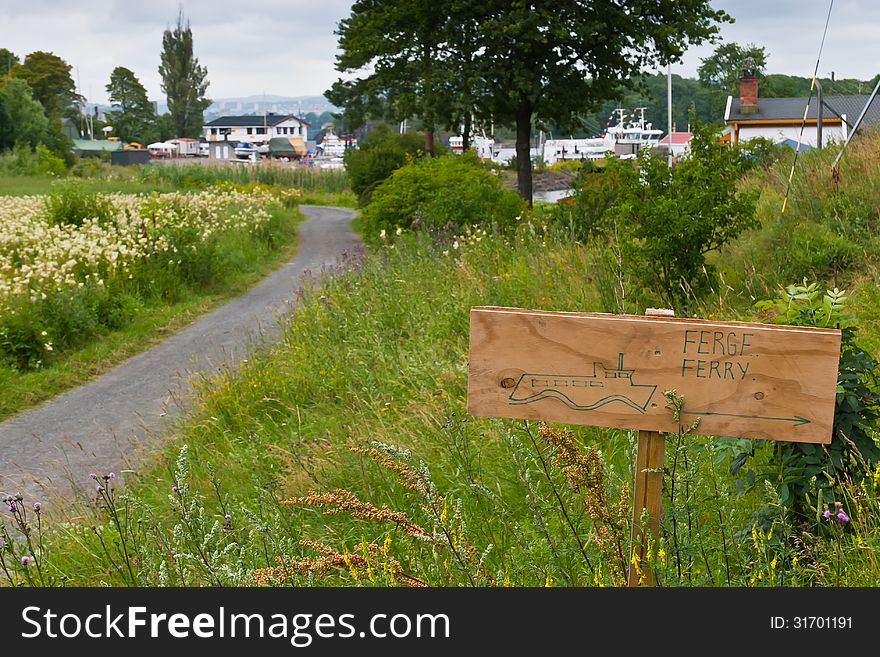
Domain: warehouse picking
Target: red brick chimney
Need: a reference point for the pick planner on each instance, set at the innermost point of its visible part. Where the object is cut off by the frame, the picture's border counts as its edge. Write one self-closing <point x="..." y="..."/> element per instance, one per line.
<point x="748" y="92"/>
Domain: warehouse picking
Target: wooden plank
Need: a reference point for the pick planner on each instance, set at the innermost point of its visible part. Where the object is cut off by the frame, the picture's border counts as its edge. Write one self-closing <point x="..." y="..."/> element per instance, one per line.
<point x="647" y="497"/>
<point x="741" y="379"/>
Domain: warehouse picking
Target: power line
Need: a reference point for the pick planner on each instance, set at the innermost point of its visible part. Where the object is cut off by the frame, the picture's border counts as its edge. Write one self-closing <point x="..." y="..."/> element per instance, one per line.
<point x="806" y="109"/>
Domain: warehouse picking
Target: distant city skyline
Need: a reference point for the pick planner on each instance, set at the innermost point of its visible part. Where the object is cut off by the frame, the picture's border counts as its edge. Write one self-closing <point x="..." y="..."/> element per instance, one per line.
<point x="288" y="47"/>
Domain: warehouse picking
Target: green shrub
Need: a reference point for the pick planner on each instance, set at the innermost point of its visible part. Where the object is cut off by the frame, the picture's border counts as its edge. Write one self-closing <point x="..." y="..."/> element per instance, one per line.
<point x="666" y="220"/>
<point x="807" y="476"/>
<point x="451" y="191"/>
<point x="70" y="203"/>
<point x="379" y="154"/>
<point x="90" y="167"/>
<point x="22" y="161"/>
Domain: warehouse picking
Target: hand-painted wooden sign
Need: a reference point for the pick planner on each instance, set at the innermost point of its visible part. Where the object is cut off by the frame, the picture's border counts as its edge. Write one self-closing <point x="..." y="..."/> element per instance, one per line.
<point x="741" y="379"/>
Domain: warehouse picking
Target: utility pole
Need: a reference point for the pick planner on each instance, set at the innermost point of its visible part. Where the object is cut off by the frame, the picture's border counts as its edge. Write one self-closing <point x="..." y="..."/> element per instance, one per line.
<point x="669" y="111"/>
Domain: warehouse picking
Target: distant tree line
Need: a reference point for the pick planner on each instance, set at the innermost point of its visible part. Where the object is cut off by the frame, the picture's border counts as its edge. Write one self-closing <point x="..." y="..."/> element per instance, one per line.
<point x="38" y="92"/>
<point x="560" y="65"/>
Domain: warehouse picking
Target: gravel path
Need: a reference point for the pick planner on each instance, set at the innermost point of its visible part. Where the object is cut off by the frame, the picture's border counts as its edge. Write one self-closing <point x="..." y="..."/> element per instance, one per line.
<point x="99" y="427"/>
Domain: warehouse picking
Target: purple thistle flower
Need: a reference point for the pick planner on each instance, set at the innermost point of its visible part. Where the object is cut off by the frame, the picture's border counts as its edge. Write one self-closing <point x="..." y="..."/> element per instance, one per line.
<point x="37" y="506"/>
<point x="93" y="475"/>
<point x="12" y="507"/>
<point x="841" y="516"/>
<point x="111" y="476"/>
<point x="175" y="489"/>
<point x="99" y="488"/>
<point x="25" y="560"/>
<point x="826" y="514"/>
<point x="228" y="518"/>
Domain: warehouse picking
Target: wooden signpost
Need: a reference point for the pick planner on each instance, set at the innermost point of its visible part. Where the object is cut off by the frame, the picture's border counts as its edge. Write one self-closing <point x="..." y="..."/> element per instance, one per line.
<point x="740" y="379"/>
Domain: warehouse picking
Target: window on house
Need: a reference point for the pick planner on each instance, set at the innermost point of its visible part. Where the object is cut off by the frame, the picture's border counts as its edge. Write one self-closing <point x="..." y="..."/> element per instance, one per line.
<point x="250" y="131"/>
<point x="213" y="131"/>
<point x="261" y="131"/>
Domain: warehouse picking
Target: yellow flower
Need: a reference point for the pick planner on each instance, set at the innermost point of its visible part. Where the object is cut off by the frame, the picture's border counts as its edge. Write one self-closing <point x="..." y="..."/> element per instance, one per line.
<point x="773" y="563"/>
<point x="661" y="554"/>
<point x="794" y="561"/>
<point x="548" y="582"/>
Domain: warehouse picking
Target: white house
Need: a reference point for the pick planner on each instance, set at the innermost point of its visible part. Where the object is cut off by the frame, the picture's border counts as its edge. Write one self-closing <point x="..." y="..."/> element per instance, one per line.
<point x="256" y="129"/>
<point x="680" y="142"/>
<point x="780" y="119"/>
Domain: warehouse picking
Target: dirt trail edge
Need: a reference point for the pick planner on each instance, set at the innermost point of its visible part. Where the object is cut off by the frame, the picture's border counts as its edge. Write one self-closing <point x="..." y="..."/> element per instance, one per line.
<point x="49" y="451"/>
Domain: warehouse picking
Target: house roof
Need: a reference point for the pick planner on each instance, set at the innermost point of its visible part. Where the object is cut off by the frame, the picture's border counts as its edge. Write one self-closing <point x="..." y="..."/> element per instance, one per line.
<point x="787" y="109"/>
<point x="286" y="146"/>
<point x="678" y="138"/>
<point x="96" y="145"/>
<point x="252" y="120"/>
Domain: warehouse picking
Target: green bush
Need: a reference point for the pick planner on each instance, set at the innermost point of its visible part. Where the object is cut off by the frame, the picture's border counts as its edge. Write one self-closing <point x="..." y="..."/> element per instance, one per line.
<point x="451" y="191"/>
<point x="379" y="154"/>
<point x="22" y="161"/>
<point x="666" y="220"/>
<point x="807" y="476"/>
<point x="70" y="203"/>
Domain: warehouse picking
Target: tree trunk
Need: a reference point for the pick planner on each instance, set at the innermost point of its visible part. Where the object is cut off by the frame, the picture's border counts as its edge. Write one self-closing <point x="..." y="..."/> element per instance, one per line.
<point x="429" y="141"/>
<point x="466" y="133"/>
<point x="523" y="157"/>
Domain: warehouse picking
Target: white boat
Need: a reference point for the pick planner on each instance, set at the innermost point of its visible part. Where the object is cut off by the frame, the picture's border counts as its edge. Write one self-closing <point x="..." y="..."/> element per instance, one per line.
<point x="335" y="146"/>
<point x="628" y="138"/>
<point x="484" y="147"/>
<point x="245" y="150"/>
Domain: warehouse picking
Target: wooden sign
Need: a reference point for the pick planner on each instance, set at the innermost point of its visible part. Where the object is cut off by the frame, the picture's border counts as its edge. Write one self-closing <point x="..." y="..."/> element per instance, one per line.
<point x="741" y="379"/>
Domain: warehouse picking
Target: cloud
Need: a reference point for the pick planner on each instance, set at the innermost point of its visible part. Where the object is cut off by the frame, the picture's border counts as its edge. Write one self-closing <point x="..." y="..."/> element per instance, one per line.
<point x="282" y="47"/>
<point x="288" y="47"/>
<point x="791" y="31"/>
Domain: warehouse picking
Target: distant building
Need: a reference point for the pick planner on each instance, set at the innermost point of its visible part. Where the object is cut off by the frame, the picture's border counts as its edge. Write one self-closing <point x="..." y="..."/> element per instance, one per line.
<point x="780" y="119"/>
<point x="334" y="146"/>
<point x="256" y="129"/>
<point x="680" y="143"/>
<point x="95" y="147"/>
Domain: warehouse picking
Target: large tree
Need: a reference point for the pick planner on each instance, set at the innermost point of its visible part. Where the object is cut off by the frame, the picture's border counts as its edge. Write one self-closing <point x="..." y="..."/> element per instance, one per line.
<point x="396" y="48"/>
<point x="8" y="59"/>
<point x="722" y="69"/>
<point x="29" y="124"/>
<point x="184" y="81"/>
<point x="49" y="78"/>
<point x="132" y="117"/>
<point x="7" y="129"/>
<point x="554" y="59"/>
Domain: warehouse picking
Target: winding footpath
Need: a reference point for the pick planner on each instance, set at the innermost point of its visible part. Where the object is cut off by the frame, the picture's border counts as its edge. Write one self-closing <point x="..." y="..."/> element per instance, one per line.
<point x="101" y="426"/>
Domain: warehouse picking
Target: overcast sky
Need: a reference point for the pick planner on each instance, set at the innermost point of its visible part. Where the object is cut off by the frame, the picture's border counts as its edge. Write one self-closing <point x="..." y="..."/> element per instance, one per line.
<point x="287" y="47"/>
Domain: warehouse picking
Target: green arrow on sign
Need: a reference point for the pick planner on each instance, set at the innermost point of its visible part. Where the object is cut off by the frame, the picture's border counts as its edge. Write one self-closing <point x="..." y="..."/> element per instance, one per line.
<point x="797" y="420"/>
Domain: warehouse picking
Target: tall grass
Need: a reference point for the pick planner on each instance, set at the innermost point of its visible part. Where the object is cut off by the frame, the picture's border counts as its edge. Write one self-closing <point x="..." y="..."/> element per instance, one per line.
<point x="344" y="455"/>
<point x="188" y="176"/>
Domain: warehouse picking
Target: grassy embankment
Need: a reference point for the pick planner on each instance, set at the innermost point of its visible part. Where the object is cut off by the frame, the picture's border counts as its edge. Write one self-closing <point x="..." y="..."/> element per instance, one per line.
<point x="377" y="358"/>
<point x="245" y="259"/>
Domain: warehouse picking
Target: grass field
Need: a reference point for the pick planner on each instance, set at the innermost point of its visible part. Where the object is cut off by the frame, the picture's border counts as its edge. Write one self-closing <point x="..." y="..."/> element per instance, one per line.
<point x="344" y="455"/>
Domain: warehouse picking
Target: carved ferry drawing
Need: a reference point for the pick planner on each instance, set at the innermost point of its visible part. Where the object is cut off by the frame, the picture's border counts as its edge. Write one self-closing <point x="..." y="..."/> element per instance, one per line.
<point x="586" y="392"/>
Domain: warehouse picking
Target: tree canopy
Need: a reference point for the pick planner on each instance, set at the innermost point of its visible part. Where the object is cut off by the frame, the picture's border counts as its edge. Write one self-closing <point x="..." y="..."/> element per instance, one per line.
<point x="132" y="118"/>
<point x="400" y="44"/>
<point x="8" y="59"/>
<point x="28" y="120"/>
<point x="184" y="81"/>
<point x="723" y="68"/>
<point x="514" y="61"/>
<point x="49" y="79"/>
